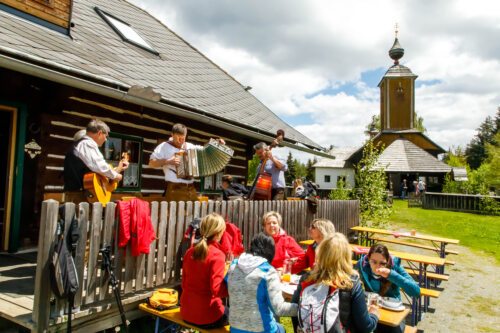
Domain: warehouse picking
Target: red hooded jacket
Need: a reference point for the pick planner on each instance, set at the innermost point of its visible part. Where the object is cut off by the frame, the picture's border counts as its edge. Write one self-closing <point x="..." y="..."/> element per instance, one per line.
<point x="285" y="248"/>
<point x="203" y="286"/>
<point x="135" y="225"/>
<point x="231" y="241"/>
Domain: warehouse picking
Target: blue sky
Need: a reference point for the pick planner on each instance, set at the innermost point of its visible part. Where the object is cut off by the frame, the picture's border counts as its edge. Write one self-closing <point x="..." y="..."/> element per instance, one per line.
<point x="316" y="64"/>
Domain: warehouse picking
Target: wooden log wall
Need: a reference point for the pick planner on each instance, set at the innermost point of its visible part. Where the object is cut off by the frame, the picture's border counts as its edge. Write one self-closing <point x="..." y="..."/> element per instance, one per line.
<point x="140" y="275"/>
<point x="153" y="126"/>
<point x="54" y="11"/>
<point x="454" y="202"/>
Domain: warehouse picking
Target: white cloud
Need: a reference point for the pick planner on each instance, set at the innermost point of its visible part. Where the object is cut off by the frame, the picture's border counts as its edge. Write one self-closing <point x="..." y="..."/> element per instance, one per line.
<point x="289" y="50"/>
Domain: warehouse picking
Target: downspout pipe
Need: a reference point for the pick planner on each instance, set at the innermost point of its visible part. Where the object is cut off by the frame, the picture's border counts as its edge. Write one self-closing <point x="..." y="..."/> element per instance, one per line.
<point x="120" y="93"/>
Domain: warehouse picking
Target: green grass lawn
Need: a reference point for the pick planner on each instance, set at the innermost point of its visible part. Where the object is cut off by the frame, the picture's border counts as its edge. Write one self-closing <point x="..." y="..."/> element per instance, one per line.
<point x="478" y="232"/>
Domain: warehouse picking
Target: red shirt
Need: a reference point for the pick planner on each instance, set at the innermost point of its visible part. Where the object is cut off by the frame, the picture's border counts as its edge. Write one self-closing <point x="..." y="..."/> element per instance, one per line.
<point x="307" y="261"/>
<point x="203" y="286"/>
<point x="285" y="248"/>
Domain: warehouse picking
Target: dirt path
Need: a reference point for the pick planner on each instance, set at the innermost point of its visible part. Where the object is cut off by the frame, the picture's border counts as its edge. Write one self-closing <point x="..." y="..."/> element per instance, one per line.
<point x="470" y="300"/>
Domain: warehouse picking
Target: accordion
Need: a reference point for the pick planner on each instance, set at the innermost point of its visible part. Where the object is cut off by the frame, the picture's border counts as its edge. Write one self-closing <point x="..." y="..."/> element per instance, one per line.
<point x="203" y="161"/>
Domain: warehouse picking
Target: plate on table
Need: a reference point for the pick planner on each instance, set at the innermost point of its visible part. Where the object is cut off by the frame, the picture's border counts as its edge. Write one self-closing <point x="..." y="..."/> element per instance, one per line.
<point x="391" y="303"/>
<point x="288" y="288"/>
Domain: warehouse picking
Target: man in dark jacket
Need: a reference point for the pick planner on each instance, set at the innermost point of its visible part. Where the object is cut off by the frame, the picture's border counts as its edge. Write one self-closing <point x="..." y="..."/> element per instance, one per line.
<point x="232" y="189"/>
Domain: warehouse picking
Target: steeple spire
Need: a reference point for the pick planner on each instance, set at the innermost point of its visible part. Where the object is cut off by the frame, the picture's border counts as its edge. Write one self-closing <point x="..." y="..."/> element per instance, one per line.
<point x="396" y="52"/>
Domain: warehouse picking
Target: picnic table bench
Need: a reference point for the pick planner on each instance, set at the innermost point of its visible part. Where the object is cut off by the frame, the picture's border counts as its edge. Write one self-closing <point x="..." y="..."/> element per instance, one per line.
<point x="174" y="315"/>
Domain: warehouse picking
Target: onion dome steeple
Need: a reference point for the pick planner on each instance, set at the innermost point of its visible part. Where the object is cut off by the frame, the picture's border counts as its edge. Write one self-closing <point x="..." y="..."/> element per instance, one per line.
<point x="396" y="52"/>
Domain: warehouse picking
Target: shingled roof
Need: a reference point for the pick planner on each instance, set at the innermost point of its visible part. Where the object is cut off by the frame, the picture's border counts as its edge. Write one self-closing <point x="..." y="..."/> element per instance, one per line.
<point x="341" y="156"/>
<point x="180" y="73"/>
<point x="404" y="156"/>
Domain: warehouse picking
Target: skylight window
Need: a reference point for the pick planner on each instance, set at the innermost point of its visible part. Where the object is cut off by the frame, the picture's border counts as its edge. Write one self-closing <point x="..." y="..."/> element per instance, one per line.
<point x="125" y="30"/>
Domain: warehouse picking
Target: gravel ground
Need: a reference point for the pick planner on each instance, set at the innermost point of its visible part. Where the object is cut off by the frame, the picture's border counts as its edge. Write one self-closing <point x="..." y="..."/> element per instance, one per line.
<point x="469" y="301"/>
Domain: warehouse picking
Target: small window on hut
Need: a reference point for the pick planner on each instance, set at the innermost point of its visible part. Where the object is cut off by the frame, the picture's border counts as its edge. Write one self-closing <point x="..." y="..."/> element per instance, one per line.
<point x="119" y="146"/>
<point x="125" y="30"/>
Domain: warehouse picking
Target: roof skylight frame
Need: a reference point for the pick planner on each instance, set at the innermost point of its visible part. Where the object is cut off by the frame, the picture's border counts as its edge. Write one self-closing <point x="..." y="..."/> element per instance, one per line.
<point x="121" y="27"/>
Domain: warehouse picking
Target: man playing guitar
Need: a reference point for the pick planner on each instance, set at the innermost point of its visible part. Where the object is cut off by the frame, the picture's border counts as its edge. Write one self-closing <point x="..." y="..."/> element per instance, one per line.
<point x="273" y="166"/>
<point x="85" y="156"/>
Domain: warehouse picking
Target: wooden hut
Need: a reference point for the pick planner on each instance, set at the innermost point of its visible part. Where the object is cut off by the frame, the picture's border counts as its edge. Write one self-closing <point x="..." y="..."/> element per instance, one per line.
<point x="64" y="62"/>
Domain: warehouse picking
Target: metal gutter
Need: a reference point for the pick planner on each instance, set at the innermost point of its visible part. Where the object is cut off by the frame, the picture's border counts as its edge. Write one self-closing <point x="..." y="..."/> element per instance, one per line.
<point x="119" y="92"/>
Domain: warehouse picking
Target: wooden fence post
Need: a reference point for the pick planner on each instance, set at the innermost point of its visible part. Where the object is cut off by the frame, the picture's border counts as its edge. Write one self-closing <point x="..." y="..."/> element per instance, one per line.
<point x="46" y="240"/>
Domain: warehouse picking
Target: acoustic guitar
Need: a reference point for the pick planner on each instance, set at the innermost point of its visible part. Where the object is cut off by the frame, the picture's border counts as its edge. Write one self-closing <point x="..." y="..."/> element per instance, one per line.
<point x="263" y="184"/>
<point x="98" y="187"/>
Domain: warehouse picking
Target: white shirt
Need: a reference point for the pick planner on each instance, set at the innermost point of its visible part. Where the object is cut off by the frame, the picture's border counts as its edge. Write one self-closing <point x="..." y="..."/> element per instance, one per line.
<point x="88" y="151"/>
<point x="164" y="151"/>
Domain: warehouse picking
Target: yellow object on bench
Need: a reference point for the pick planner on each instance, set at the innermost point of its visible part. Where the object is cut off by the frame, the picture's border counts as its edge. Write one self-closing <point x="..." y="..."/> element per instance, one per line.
<point x="174" y="315"/>
<point x="306" y="242"/>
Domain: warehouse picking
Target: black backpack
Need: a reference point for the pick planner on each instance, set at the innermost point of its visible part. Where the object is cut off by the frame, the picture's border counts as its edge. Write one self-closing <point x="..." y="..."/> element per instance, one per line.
<point x="63" y="274"/>
<point x="191" y="236"/>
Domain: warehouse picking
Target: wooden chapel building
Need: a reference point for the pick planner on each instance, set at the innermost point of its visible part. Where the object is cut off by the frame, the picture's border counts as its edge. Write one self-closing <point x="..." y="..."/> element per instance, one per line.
<point x="408" y="153"/>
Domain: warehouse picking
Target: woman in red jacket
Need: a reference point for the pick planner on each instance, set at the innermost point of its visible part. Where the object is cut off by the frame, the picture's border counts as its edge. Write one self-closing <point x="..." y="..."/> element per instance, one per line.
<point x="286" y="248"/>
<point x="203" y="285"/>
<point x="318" y="230"/>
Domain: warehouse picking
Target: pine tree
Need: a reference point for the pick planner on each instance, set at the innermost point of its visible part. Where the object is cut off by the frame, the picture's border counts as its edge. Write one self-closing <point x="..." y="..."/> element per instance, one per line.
<point x="476" y="149"/>
<point x="290" y="175"/>
<point x="310" y="169"/>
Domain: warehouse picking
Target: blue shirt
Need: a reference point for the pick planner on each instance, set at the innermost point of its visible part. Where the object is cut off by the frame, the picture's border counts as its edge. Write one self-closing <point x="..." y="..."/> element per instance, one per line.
<point x="278" y="175"/>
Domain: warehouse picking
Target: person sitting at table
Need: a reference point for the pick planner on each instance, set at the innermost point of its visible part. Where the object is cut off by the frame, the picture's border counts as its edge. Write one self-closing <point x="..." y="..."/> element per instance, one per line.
<point x="334" y="268"/>
<point x="383" y="274"/>
<point x="286" y="248"/>
<point x="231" y="189"/>
<point x="318" y="230"/>
<point x="203" y="271"/>
<point x="255" y="290"/>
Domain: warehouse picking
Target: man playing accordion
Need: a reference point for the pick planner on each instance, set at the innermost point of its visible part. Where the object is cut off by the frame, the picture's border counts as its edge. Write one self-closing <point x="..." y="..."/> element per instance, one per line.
<point x="166" y="156"/>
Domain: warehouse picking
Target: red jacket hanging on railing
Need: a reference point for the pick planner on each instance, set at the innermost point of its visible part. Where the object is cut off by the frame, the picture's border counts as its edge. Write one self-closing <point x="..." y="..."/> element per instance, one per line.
<point x="231" y="241"/>
<point x="135" y="225"/>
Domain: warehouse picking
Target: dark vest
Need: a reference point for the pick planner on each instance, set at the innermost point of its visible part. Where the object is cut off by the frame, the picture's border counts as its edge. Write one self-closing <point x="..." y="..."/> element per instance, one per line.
<point x="74" y="169"/>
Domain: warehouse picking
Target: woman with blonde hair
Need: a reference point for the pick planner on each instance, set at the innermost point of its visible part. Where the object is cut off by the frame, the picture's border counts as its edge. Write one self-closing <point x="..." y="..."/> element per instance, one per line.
<point x="334" y="269"/>
<point x="286" y="248"/>
<point x="203" y="285"/>
<point x="318" y="230"/>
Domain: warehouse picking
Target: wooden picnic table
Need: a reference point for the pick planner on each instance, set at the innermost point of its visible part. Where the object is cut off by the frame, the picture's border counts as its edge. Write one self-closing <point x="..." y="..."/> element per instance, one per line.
<point x="438" y="243"/>
<point x="435" y="240"/>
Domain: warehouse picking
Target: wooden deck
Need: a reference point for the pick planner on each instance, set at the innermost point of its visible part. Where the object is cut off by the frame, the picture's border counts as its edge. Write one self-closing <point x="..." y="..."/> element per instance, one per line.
<point x="25" y="295"/>
<point x="17" y="279"/>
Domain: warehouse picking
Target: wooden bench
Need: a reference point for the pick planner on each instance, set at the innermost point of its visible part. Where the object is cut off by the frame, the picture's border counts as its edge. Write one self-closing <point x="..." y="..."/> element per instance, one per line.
<point x="174" y="315"/>
<point x="410" y="329"/>
<point x="430" y="275"/>
<point x="417" y="245"/>
<point x="425" y="292"/>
